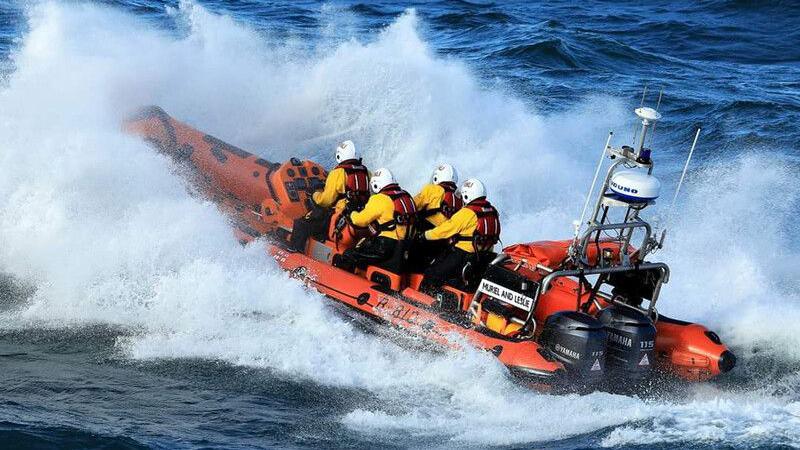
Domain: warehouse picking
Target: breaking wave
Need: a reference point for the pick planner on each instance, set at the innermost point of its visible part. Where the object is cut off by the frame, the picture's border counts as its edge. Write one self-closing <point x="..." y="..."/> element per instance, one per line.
<point x="107" y="234"/>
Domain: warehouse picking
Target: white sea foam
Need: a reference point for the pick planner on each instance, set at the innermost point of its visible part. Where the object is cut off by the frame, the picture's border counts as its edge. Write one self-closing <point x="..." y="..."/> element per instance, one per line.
<point x="736" y="420"/>
<point x="98" y="223"/>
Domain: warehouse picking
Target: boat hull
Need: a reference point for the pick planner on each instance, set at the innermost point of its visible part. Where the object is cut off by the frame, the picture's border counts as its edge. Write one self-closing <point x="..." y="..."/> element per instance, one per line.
<point x="263" y="199"/>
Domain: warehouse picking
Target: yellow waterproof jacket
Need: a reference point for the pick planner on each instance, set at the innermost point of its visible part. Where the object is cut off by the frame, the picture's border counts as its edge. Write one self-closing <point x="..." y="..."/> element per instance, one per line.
<point x="463" y="223"/>
<point x="430" y="197"/>
<point x="333" y="194"/>
<point x="380" y="208"/>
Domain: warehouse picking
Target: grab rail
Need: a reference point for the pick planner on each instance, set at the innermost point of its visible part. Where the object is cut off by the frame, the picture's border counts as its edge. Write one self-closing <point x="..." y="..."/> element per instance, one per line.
<point x="663" y="268"/>
<point x="584" y="241"/>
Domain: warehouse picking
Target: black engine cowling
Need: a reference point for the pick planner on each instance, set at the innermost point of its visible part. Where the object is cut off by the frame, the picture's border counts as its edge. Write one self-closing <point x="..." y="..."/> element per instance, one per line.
<point x="578" y="341"/>
<point x="631" y="342"/>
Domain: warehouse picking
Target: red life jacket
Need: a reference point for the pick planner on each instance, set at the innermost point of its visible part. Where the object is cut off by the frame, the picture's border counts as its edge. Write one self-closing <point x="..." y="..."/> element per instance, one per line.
<point x="405" y="212"/>
<point x="450" y="202"/>
<point x="356" y="186"/>
<point x="487" y="232"/>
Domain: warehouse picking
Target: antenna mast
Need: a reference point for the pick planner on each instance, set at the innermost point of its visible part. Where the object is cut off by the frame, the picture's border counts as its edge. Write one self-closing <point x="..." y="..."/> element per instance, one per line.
<point x="628" y="184"/>
<point x="594" y="182"/>
<point x="685" y="168"/>
<point x="641" y="104"/>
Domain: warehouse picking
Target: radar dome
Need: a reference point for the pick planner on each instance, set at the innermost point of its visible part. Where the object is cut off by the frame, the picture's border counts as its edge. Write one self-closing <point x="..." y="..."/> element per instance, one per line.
<point x="635" y="187"/>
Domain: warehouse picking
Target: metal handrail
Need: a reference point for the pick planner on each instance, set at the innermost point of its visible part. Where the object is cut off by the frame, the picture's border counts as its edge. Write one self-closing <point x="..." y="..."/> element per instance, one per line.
<point x="583" y="246"/>
<point x="547" y="280"/>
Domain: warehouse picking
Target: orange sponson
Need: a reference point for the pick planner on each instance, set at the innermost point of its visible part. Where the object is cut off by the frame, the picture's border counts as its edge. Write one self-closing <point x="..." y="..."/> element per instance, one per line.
<point x="402" y="311"/>
<point x="274" y="194"/>
<point x="690" y="350"/>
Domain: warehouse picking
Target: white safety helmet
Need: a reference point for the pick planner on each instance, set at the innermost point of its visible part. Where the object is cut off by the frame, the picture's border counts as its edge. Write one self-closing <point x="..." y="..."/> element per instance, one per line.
<point x="380" y="179"/>
<point x="444" y="173"/>
<point x="346" y="150"/>
<point x="472" y="189"/>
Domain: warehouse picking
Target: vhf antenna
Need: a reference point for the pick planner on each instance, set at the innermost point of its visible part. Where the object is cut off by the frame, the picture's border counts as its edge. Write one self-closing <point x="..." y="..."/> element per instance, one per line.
<point x="658" y="105"/>
<point x="578" y="224"/>
<point x="635" y="125"/>
<point x="685" y="168"/>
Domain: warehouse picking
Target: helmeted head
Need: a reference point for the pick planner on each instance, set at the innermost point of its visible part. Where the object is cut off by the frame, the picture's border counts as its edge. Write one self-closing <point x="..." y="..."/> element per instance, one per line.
<point x="346" y="150"/>
<point x="444" y="173"/>
<point x="380" y="179"/>
<point x="472" y="189"/>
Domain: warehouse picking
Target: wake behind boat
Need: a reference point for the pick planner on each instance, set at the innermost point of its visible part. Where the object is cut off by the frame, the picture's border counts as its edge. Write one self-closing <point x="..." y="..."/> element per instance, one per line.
<point x="581" y="310"/>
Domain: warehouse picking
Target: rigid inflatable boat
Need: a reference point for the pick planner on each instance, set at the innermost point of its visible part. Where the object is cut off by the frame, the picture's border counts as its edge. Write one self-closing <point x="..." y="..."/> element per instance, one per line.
<point x="581" y="310"/>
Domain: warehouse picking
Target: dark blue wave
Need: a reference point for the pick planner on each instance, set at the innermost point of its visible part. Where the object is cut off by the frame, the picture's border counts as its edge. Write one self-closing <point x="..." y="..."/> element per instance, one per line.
<point x="731" y="67"/>
<point x="40" y="437"/>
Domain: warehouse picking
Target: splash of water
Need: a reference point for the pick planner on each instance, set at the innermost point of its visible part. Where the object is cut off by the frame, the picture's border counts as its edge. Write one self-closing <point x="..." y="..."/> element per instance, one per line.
<point x="108" y="235"/>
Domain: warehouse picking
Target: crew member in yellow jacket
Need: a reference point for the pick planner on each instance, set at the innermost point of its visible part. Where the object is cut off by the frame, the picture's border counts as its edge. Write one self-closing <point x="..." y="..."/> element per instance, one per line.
<point x="436" y="202"/>
<point x="346" y="188"/>
<point x="388" y="215"/>
<point x="472" y="232"/>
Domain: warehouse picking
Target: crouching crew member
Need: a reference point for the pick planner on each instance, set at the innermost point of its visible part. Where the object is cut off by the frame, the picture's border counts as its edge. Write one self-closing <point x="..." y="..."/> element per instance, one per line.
<point x="473" y="231"/>
<point x="389" y="214"/>
<point x="436" y="202"/>
<point x="346" y="189"/>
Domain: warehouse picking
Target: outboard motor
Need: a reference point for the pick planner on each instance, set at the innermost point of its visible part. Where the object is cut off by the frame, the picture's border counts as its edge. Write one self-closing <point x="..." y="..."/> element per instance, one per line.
<point x="578" y="341"/>
<point x="631" y="342"/>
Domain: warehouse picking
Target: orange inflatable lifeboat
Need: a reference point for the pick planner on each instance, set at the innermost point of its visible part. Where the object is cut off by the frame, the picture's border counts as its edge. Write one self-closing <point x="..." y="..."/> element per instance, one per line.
<point x="581" y="310"/>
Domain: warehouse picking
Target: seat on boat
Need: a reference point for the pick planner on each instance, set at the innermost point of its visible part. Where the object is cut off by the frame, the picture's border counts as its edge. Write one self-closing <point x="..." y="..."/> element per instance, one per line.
<point x="385" y="278"/>
<point x="472" y="272"/>
<point x="391" y="273"/>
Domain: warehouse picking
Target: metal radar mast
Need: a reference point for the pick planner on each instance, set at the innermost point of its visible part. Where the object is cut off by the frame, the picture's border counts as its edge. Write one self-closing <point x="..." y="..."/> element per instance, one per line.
<point x="630" y="186"/>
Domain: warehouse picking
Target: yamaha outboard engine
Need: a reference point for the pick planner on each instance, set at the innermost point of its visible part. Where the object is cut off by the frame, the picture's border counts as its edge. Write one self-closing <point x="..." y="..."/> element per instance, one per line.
<point x="578" y="341"/>
<point x="631" y="342"/>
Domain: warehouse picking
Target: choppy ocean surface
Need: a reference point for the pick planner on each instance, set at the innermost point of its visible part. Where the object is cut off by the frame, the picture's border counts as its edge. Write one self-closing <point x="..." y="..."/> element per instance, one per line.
<point x="131" y="318"/>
